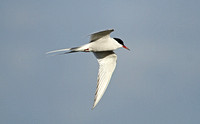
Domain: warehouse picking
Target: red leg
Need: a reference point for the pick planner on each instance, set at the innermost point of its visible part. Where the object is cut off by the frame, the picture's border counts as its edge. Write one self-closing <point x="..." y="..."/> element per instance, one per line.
<point x="86" y="50"/>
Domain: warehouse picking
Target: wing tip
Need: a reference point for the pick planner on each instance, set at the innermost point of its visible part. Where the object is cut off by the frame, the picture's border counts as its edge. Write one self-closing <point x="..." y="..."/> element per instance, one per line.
<point x="94" y="105"/>
<point x="92" y="108"/>
<point x="110" y="29"/>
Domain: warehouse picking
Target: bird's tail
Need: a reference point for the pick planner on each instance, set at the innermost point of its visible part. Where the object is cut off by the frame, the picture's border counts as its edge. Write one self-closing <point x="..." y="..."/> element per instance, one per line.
<point x="60" y="50"/>
<point x="63" y="51"/>
<point x="84" y="48"/>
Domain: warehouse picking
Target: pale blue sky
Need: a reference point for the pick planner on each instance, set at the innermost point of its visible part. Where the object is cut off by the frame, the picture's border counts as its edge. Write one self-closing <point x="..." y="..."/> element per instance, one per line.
<point x="157" y="82"/>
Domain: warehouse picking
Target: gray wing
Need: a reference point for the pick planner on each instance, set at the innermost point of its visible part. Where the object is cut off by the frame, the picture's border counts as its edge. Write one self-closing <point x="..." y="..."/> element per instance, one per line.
<point x="107" y="63"/>
<point x="100" y="34"/>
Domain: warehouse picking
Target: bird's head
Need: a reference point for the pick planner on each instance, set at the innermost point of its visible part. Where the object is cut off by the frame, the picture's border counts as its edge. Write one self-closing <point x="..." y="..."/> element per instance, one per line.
<point x="121" y="43"/>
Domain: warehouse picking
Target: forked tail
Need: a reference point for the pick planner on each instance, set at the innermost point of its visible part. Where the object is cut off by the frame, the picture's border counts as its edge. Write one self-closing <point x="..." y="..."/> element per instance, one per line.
<point x="84" y="48"/>
<point x="66" y="51"/>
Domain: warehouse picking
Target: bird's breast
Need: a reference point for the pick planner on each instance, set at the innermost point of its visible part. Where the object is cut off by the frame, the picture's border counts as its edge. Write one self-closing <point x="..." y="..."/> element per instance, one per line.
<point x="103" y="45"/>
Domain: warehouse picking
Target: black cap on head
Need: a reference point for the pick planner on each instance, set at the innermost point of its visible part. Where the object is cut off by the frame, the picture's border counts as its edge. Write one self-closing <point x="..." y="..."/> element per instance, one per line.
<point x="119" y="41"/>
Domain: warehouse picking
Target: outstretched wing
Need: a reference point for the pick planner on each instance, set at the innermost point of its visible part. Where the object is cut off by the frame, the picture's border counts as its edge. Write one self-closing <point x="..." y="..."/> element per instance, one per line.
<point x="98" y="35"/>
<point x="107" y="63"/>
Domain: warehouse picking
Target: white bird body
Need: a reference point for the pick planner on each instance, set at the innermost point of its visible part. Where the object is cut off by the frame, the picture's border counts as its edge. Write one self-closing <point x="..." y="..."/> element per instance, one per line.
<point x="102" y="45"/>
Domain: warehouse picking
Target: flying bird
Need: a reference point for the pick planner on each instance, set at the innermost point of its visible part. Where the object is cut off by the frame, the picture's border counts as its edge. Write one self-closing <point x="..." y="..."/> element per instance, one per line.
<point x="102" y="46"/>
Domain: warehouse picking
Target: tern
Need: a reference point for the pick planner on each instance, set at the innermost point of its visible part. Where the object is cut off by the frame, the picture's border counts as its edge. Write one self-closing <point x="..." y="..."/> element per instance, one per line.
<point x="102" y="45"/>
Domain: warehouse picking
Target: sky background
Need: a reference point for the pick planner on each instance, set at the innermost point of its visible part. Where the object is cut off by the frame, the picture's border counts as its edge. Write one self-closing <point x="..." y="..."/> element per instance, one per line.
<point x="157" y="82"/>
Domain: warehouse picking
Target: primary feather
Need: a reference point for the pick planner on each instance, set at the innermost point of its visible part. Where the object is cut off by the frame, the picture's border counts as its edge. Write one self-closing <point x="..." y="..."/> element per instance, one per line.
<point x="98" y="35"/>
<point x="107" y="63"/>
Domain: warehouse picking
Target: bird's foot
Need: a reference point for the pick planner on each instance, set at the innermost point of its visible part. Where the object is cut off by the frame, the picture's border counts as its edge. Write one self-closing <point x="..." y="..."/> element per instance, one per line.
<point x="86" y="50"/>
